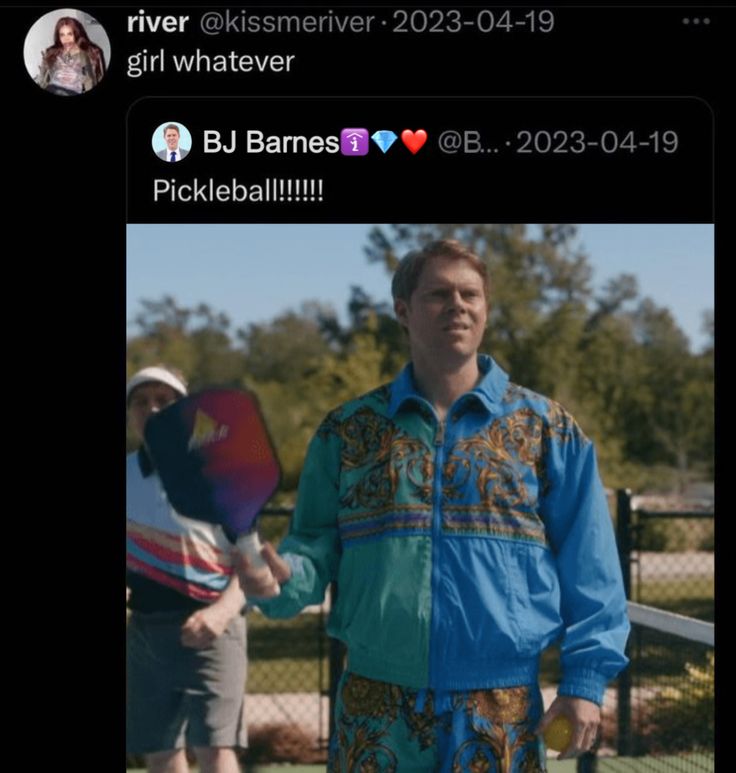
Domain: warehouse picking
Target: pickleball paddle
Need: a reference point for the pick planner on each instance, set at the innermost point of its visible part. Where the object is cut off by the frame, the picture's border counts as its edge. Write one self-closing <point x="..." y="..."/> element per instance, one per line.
<point x="216" y="461"/>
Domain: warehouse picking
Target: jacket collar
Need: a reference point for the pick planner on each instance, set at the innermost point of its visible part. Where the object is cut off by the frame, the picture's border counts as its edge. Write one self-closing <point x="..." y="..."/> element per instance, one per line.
<point x="488" y="392"/>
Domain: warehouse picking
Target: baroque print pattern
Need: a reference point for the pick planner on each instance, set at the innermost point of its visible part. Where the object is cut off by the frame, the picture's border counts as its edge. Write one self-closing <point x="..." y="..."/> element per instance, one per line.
<point x="384" y="454"/>
<point x="369" y="709"/>
<point x="384" y="727"/>
<point x="515" y="393"/>
<point x="502" y="738"/>
<point x="505" y="464"/>
<point x="561" y="428"/>
<point x="493" y="458"/>
<point x="502" y="464"/>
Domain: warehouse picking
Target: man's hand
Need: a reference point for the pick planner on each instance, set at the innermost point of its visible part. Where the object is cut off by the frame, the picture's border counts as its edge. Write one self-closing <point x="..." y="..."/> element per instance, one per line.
<point x="585" y="718"/>
<point x="265" y="581"/>
<point x="205" y="625"/>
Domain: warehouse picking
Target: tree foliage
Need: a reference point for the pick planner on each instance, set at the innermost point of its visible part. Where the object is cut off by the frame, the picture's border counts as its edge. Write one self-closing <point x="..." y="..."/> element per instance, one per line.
<point x="616" y="360"/>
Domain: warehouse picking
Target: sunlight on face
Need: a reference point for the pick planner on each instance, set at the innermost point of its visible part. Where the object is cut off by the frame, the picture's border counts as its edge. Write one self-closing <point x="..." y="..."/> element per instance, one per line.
<point x="446" y="314"/>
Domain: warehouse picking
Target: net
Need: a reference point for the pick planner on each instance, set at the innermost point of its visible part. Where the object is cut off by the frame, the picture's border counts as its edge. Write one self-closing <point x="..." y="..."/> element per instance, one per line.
<point x="660" y="715"/>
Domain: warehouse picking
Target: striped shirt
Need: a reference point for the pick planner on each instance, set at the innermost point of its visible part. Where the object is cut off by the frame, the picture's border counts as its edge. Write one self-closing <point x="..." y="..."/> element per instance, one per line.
<point x="186" y="555"/>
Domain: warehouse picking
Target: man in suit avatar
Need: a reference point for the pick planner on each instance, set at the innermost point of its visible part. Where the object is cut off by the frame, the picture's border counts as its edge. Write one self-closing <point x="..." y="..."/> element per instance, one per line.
<point x="172" y="152"/>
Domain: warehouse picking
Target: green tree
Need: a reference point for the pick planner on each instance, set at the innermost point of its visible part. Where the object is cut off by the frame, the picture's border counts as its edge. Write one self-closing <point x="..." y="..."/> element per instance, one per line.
<point x="675" y="428"/>
<point x="289" y="347"/>
<point x="539" y="288"/>
<point x="294" y="407"/>
<point x="618" y="362"/>
<point x="195" y="340"/>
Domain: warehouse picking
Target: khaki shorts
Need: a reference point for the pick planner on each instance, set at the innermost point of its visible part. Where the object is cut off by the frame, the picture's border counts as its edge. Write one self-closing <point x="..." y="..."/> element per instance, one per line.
<point x="181" y="697"/>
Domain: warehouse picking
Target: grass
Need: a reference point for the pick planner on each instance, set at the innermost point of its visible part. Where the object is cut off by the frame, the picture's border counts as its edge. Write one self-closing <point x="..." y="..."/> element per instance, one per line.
<point x="649" y="764"/>
<point x="693" y="596"/>
<point x="661" y="659"/>
<point x="287" y="655"/>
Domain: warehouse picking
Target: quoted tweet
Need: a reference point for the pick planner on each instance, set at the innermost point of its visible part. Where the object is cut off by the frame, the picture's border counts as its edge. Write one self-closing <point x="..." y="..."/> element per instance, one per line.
<point x="318" y="157"/>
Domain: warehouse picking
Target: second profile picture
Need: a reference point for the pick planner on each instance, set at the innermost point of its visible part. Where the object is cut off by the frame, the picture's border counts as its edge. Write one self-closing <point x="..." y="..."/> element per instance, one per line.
<point x="171" y="141"/>
<point x="67" y="52"/>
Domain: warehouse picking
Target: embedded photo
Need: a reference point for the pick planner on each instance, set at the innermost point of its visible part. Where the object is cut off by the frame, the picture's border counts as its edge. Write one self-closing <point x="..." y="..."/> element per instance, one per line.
<point x="485" y="537"/>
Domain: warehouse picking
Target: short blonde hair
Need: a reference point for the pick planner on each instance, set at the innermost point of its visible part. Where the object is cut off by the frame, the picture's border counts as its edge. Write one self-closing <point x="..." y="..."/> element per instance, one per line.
<point x="410" y="268"/>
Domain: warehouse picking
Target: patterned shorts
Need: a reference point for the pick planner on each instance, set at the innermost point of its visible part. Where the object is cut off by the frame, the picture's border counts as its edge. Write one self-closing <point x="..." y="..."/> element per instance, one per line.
<point x="391" y="729"/>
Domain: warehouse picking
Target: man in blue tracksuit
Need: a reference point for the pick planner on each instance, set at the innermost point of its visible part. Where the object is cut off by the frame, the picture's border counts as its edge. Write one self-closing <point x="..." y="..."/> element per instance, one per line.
<point x="465" y="522"/>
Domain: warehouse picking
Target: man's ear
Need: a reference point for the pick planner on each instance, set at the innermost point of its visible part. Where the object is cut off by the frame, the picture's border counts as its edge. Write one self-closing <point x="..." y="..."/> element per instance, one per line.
<point x="401" y="309"/>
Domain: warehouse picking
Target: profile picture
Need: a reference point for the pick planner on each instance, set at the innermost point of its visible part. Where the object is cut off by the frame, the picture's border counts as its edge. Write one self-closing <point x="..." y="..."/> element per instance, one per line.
<point x="67" y="52"/>
<point x="171" y="141"/>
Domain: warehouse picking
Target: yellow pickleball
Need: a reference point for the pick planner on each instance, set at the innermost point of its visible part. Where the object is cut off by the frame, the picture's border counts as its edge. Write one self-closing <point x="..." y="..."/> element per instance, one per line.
<point x="558" y="733"/>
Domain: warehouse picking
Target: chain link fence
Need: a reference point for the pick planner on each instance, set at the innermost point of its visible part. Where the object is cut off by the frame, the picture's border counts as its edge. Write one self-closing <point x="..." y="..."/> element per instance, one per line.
<point x="288" y="704"/>
<point x="659" y="714"/>
<point x="672" y="553"/>
<point x="659" y="710"/>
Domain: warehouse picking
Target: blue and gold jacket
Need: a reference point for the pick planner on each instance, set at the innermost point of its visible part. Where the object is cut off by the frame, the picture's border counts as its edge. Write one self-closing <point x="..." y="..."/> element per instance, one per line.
<point x="462" y="548"/>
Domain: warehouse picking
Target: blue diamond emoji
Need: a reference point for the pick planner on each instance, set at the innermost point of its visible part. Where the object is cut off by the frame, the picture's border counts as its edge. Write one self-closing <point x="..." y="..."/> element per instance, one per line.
<point x="384" y="139"/>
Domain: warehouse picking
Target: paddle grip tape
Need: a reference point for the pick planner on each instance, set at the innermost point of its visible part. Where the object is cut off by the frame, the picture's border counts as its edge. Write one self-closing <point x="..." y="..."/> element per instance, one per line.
<point x="250" y="546"/>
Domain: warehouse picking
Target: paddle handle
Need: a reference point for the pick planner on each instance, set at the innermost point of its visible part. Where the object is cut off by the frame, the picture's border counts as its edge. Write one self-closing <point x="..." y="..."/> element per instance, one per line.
<point x="250" y="545"/>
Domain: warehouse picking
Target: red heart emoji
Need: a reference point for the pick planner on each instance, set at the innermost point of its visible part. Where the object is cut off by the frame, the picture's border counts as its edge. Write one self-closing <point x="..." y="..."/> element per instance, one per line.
<point x="414" y="140"/>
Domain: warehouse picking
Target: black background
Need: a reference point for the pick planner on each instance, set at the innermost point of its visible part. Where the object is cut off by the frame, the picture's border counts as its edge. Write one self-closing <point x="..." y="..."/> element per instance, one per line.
<point x="65" y="329"/>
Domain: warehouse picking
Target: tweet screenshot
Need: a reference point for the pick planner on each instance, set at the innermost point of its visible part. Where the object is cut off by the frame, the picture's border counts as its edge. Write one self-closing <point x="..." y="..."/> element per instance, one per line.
<point x="416" y="307"/>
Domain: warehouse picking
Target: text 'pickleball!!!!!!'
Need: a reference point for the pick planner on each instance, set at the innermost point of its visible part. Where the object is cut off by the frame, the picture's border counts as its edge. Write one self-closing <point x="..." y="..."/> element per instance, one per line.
<point x="269" y="190"/>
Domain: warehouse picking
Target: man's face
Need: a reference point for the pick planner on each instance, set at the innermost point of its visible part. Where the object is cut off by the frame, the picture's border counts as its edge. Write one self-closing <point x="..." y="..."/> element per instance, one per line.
<point x="446" y="314"/>
<point x="66" y="36"/>
<point x="172" y="138"/>
<point x="145" y="400"/>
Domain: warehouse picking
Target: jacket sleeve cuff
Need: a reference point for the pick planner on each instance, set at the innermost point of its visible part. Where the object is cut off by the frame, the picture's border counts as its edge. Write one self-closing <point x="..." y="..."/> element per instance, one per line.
<point x="584" y="683"/>
<point x="291" y="600"/>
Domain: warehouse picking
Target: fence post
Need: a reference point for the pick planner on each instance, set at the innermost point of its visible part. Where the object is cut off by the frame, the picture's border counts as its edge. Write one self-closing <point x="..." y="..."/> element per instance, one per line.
<point x="587" y="763"/>
<point x="624" y="538"/>
<point x="623" y="535"/>
<point x="337" y="655"/>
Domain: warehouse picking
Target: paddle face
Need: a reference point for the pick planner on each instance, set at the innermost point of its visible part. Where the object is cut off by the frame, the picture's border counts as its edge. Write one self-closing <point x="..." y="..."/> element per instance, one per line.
<point x="214" y="457"/>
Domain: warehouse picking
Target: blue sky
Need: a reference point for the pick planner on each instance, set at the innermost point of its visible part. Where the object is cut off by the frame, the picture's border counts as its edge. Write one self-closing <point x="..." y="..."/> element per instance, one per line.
<point x="255" y="272"/>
